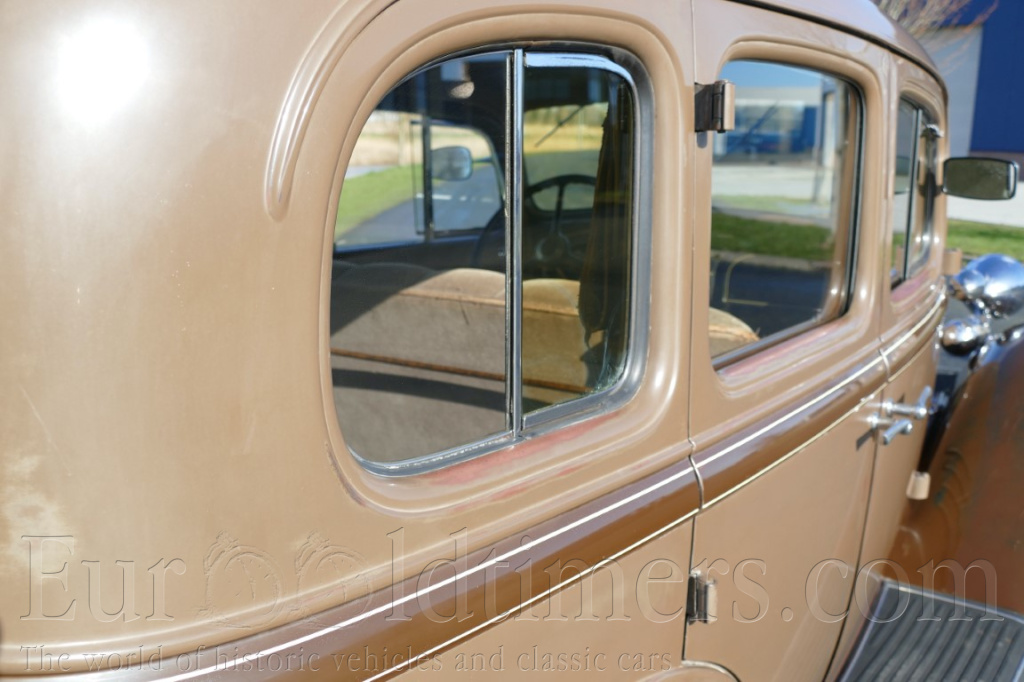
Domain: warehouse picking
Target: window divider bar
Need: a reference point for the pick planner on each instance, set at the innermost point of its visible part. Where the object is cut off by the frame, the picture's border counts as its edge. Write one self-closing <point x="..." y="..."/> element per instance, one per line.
<point x="513" y="242"/>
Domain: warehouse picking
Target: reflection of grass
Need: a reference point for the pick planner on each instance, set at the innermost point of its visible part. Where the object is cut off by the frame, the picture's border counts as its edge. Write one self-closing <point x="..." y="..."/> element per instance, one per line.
<point x="764" y="203"/>
<point x="748" y="235"/>
<point x="365" y="196"/>
<point x="977" y="239"/>
<point x="545" y="164"/>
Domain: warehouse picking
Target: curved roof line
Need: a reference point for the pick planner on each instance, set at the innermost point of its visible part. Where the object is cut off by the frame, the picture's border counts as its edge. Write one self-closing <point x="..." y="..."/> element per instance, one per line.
<point x="862" y="18"/>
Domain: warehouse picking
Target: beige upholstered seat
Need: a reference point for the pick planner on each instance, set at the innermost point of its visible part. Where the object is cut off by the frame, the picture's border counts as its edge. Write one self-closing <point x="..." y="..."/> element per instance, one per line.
<point x="427" y="349"/>
<point x="728" y="332"/>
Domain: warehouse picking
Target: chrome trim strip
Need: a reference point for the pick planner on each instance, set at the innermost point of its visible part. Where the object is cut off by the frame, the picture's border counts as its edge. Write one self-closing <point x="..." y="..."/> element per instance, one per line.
<point x="513" y="243"/>
<point x="540" y="60"/>
<point x="704" y="665"/>
<point x="891" y="348"/>
<point x="544" y="595"/>
<point x="483" y="566"/>
<point x="908" y="364"/>
<point x="821" y="434"/>
<point x="696" y="470"/>
<point x="789" y="415"/>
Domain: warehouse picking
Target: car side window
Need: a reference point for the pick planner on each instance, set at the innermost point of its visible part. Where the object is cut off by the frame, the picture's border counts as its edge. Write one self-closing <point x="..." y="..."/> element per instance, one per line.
<point x="914" y="190"/>
<point x="784" y="190"/>
<point x="482" y="278"/>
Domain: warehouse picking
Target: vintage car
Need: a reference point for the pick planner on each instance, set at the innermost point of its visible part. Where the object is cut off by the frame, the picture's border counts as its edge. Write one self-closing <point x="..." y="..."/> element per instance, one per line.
<point x="360" y="339"/>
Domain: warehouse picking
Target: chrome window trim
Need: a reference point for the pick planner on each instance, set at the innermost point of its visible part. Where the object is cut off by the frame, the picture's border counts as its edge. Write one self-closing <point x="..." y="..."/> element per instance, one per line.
<point x="514" y="241"/>
<point x="562" y="415"/>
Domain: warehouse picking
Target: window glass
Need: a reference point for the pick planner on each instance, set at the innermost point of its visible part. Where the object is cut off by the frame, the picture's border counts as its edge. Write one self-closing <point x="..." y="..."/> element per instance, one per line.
<point x="783" y="192"/>
<point x="455" y="318"/>
<point x="561" y="141"/>
<point x="577" y="229"/>
<point x="417" y="339"/>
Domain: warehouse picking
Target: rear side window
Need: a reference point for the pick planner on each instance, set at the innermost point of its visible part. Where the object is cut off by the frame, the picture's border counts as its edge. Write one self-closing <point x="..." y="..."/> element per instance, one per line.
<point x="914" y="191"/>
<point x="484" y="250"/>
<point x="784" y="192"/>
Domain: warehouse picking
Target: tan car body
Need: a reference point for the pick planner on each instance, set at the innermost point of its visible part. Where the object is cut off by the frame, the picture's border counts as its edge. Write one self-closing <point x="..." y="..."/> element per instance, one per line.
<point x="176" y="497"/>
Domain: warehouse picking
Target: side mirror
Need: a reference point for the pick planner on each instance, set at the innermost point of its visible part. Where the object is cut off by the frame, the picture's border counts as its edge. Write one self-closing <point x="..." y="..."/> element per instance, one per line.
<point x="976" y="178"/>
<point x="451" y="163"/>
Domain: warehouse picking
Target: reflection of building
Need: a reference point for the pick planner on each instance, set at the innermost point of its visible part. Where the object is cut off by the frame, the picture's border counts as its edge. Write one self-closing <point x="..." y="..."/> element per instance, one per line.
<point x="978" y="55"/>
<point x="782" y="114"/>
<point x="776" y="121"/>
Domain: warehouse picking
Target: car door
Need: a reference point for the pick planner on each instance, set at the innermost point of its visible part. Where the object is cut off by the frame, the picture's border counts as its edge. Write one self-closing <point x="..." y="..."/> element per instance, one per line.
<point x="548" y="528"/>
<point x="785" y="262"/>
<point x="911" y="310"/>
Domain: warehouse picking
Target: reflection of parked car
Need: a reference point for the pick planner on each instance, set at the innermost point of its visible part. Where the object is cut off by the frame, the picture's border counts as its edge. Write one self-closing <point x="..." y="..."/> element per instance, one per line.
<point x="398" y="339"/>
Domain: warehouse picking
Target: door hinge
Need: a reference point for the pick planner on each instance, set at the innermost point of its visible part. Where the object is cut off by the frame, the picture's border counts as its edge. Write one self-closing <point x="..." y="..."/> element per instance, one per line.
<point x="701" y="599"/>
<point x="715" y="107"/>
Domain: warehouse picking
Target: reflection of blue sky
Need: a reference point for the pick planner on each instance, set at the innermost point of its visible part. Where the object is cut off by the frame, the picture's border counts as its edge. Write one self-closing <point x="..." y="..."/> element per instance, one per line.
<point x="764" y="75"/>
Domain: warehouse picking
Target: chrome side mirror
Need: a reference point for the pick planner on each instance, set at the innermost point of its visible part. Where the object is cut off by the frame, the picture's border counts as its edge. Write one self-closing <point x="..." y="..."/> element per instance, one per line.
<point x="993" y="286"/>
<point x="976" y="178"/>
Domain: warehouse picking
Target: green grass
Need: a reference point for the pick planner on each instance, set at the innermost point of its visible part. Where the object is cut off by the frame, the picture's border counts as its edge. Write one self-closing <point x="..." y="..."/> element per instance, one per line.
<point x="748" y="235"/>
<point x="977" y="239"/>
<point x="365" y="196"/>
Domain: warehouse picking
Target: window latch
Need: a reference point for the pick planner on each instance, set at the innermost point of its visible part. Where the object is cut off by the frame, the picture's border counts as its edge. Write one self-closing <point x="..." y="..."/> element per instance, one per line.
<point x="715" y="107"/>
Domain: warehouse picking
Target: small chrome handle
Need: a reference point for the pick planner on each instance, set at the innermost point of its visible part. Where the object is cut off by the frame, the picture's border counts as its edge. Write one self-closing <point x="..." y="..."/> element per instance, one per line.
<point x="892" y="428"/>
<point x="898" y="428"/>
<point x="918" y="411"/>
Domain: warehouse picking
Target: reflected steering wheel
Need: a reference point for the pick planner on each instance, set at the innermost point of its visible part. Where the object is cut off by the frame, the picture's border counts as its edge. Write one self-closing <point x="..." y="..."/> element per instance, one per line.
<point x="553" y="250"/>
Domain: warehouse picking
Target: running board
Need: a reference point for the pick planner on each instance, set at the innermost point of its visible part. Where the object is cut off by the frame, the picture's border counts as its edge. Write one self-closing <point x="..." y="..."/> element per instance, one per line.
<point x="934" y="636"/>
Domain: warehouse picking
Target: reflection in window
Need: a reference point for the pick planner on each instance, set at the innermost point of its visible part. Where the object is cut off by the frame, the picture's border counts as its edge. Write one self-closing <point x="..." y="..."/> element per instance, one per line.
<point x="427" y="355"/>
<point x="783" y="191"/>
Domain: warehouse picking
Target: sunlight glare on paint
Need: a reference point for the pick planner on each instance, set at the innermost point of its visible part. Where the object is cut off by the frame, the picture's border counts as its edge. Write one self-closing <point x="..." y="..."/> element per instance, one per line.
<point x="101" y="67"/>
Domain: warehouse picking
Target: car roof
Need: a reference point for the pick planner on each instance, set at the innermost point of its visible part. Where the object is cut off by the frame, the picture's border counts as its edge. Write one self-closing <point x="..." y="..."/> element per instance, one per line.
<point x="861" y="17"/>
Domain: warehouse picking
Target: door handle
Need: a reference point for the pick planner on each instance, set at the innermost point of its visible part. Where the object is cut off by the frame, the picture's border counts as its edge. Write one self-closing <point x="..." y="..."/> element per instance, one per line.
<point x="886" y="419"/>
<point x="900" y="427"/>
<point x="918" y="411"/>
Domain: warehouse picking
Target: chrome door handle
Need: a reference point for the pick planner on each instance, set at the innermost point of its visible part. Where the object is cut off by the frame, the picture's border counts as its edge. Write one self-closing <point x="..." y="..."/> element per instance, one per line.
<point x="918" y="411"/>
<point x="900" y="427"/>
